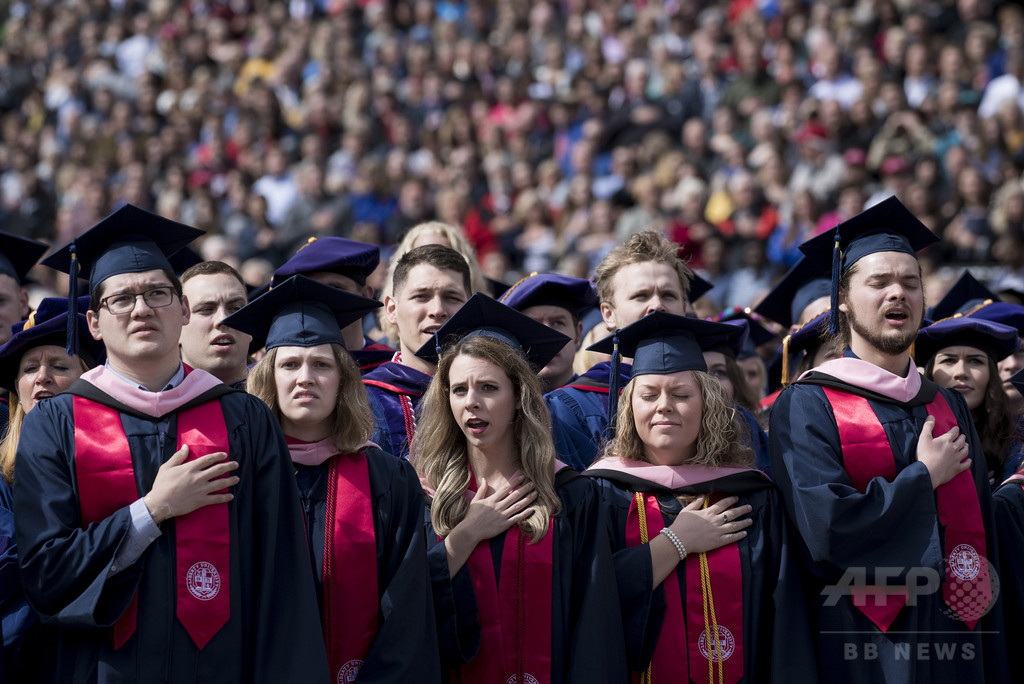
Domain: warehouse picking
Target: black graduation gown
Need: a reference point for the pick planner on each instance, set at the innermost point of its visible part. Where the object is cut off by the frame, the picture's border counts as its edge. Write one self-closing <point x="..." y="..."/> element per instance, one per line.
<point x="273" y="634"/>
<point x="405" y="648"/>
<point x="892" y="526"/>
<point x="777" y="644"/>
<point x="586" y="633"/>
<point x="1008" y="504"/>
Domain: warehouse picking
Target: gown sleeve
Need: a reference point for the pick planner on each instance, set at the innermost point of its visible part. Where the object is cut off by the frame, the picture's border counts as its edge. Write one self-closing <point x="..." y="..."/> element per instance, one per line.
<point x="455" y="611"/>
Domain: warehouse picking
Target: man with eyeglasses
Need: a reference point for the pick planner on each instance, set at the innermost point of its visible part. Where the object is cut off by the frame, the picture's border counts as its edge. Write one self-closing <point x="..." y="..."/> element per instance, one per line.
<point x="157" y="518"/>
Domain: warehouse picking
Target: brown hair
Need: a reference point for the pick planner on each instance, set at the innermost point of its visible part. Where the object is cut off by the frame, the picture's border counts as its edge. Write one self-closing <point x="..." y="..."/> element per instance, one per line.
<point x="353" y="421"/>
<point x="438" y="256"/>
<point x="440" y="453"/>
<point x="212" y="268"/>
<point x="642" y="247"/>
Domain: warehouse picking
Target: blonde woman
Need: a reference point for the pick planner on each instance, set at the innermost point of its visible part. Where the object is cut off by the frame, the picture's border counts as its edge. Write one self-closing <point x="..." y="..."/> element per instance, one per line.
<point x="362" y="508"/>
<point x="700" y="546"/>
<point x="516" y="538"/>
<point x="430" y="233"/>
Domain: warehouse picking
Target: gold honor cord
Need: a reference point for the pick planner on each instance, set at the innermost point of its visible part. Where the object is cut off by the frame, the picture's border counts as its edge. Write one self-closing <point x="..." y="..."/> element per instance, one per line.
<point x="641" y="512"/>
<point x="710" y="628"/>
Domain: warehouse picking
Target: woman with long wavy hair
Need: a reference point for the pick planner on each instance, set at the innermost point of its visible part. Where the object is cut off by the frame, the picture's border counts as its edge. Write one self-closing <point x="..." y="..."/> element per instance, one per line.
<point x="362" y="508"/>
<point x="962" y="353"/>
<point x="523" y="581"/>
<point x="699" y="538"/>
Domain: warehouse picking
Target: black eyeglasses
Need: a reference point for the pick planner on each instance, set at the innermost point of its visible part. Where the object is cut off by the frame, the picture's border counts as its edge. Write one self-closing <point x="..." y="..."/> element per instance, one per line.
<point x="124" y="303"/>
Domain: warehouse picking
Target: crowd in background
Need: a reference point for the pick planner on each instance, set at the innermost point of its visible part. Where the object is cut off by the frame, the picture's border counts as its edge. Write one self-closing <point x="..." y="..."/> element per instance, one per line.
<point x="549" y="131"/>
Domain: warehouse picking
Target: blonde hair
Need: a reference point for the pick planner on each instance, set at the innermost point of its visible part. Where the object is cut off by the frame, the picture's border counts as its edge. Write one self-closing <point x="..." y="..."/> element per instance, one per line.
<point x="353" y="421"/>
<point x="440" y="453"/>
<point x="642" y="247"/>
<point x="9" y="445"/>
<point x="721" y="441"/>
<point x="456" y="239"/>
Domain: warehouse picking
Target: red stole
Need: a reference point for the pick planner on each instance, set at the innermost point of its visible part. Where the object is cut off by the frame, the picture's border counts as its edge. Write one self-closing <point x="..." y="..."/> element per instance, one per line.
<point x="684" y="650"/>
<point x="867" y="454"/>
<point x="515" y="617"/>
<point x="351" y="600"/>
<point x="106" y="483"/>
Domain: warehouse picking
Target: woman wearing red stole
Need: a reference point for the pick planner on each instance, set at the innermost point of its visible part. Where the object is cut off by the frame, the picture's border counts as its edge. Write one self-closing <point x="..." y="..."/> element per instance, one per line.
<point x="362" y="508"/>
<point x="701" y="550"/>
<point x="523" y="579"/>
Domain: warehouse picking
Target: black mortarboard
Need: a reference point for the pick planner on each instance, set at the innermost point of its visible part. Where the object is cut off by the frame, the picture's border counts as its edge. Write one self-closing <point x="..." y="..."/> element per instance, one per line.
<point x="18" y="255"/>
<point x="572" y="294"/>
<point x="662" y="343"/>
<point x="886" y="227"/>
<point x="300" y="312"/>
<point x="965" y="294"/>
<point x="184" y="259"/>
<point x="350" y="258"/>
<point x="804" y="340"/>
<point x="757" y="334"/>
<point x="45" y="326"/>
<point x="1018" y="380"/>
<point x="130" y="240"/>
<point x="795" y="291"/>
<point x="699" y="287"/>
<point x="995" y="339"/>
<point x="482" y="315"/>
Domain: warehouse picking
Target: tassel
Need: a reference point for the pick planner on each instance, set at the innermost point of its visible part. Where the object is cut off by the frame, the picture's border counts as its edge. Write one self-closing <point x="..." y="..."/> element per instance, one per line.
<point x="437" y="346"/>
<point x="785" y="359"/>
<point x="613" y="386"/>
<point x="837" y="259"/>
<point x="72" y="342"/>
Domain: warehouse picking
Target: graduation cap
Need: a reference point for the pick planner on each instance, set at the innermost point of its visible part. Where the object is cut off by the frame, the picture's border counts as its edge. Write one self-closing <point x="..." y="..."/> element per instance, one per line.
<point x="572" y="294"/>
<point x="130" y="240"/>
<point x="757" y="334"/>
<point x="356" y="260"/>
<point x="1001" y="312"/>
<point x="795" y="291"/>
<point x="1018" y="380"/>
<point x="184" y="259"/>
<point x="965" y="294"/>
<point x="18" y="250"/>
<point x="699" y="287"/>
<point x="661" y="343"/>
<point x="496" y="287"/>
<point x="886" y="227"/>
<point x="995" y="339"/>
<point x="300" y="312"/>
<point x="805" y="340"/>
<point x="46" y="326"/>
<point x="482" y="315"/>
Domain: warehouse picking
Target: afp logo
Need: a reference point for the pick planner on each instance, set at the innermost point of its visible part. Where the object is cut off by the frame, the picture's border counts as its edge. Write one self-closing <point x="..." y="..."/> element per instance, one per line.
<point x="726" y="642"/>
<point x="203" y="581"/>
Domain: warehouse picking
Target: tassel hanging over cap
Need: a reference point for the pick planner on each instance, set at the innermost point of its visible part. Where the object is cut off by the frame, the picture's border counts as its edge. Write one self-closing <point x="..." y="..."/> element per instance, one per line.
<point x="72" y="330"/>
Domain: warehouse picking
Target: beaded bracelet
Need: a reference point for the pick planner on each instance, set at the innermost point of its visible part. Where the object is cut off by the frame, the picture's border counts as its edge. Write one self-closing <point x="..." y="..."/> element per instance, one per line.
<point x="676" y="542"/>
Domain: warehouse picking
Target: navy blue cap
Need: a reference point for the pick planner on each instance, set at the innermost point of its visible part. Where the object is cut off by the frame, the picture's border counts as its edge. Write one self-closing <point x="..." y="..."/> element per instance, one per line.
<point x="18" y="255"/>
<point x="482" y="315"/>
<point x="886" y="227"/>
<point x="965" y="294"/>
<point x="1002" y="312"/>
<point x="662" y="343"/>
<point x="757" y="334"/>
<point x="184" y="259"/>
<point x="131" y="240"/>
<point x="699" y="287"/>
<point x="496" y="287"/>
<point x="572" y="294"/>
<point x="995" y="339"/>
<point x="804" y="340"/>
<point x="795" y="291"/>
<point x="49" y="308"/>
<point x="356" y="260"/>
<point x="300" y="312"/>
<point x="46" y="326"/>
